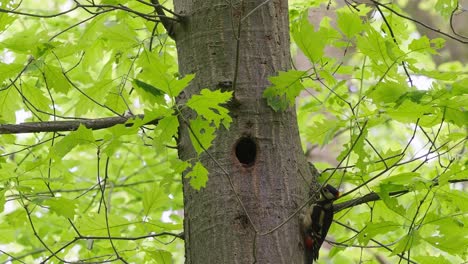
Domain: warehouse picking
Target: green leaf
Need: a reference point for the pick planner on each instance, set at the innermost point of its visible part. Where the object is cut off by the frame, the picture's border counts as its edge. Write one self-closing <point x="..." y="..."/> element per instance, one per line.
<point x="96" y="92"/>
<point x="153" y="198"/>
<point x="208" y="104"/>
<point x="81" y="136"/>
<point x="391" y="202"/>
<point x="156" y="72"/>
<point x="177" y="85"/>
<point x="119" y="34"/>
<point x="401" y="179"/>
<point x="9" y="99"/>
<point x="311" y="42"/>
<point x="458" y="117"/>
<point x="116" y="102"/>
<point x="198" y="176"/>
<point x="22" y="41"/>
<point x="5" y="19"/>
<point x="149" y="92"/>
<point x="383" y="52"/>
<point x="409" y="112"/>
<point x="406" y="243"/>
<point x="201" y="134"/>
<point x="56" y="79"/>
<point x="456" y="171"/>
<point x="432" y="259"/>
<point x="359" y="150"/>
<point x="439" y="75"/>
<point x="324" y="131"/>
<point x="37" y="98"/>
<point x="9" y="71"/>
<point x="61" y="206"/>
<point x="330" y="79"/>
<point x="349" y="23"/>
<point x="415" y="96"/>
<point x="448" y="235"/>
<point x="45" y="48"/>
<point x="91" y="34"/>
<point x="114" y="2"/>
<point x="160" y="256"/>
<point x="445" y="8"/>
<point x="387" y="92"/>
<point x="166" y="130"/>
<point x="373" y="229"/>
<point x="94" y="224"/>
<point x="422" y="44"/>
<point x="460" y="87"/>
<point x="2" y="197"/>
<point x="284" y="89"/>
<point x="455" y="199"/>
<point x="391" y="157"/>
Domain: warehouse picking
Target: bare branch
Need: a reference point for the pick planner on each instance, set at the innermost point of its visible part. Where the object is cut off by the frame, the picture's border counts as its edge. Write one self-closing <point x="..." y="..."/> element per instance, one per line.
<point x="167" y="23"/>
<point x="418" y="22"/>
<point x="371" y="197"/>
<point x="57" y="126"/>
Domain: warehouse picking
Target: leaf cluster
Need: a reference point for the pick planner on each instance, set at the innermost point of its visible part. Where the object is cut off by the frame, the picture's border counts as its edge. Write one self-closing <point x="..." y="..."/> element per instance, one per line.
<point x="95" y="195"/>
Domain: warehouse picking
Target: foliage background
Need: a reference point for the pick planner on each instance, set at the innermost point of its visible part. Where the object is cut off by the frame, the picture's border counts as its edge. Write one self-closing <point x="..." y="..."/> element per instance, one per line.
<point x="394" y="119"/>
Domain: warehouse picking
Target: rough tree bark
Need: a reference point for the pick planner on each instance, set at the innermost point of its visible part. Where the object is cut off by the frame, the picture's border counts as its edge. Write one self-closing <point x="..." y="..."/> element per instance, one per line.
<point x="261" y="152"/>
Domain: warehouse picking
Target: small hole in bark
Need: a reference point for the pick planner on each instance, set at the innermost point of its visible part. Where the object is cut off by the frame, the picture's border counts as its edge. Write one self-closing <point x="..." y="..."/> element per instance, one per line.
<point x="246" y="151"/>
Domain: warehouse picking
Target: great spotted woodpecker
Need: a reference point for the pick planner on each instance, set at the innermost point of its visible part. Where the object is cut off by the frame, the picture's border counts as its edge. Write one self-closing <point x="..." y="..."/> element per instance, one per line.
<point x="316" y="222"/>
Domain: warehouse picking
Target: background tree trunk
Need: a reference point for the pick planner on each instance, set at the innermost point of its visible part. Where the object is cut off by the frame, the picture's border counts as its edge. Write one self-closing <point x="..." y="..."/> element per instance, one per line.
<point x="452" y="49"/>
<point x="268" y="167"/>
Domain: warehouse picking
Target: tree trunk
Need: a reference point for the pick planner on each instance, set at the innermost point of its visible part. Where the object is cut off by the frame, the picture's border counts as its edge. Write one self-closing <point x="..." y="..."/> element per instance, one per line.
<point x="260" y="154"/>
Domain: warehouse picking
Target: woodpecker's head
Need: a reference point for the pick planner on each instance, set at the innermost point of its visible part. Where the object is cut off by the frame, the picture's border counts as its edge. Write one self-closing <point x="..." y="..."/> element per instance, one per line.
<point x="329" y="193"/>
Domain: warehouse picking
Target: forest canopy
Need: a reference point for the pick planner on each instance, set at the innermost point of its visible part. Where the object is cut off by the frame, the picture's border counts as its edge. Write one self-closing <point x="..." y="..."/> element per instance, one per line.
<point x="89" y="169"/>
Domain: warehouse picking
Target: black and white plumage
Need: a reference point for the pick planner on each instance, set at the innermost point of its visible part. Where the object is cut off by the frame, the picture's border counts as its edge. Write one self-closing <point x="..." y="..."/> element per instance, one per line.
<point x="316" y="222"/>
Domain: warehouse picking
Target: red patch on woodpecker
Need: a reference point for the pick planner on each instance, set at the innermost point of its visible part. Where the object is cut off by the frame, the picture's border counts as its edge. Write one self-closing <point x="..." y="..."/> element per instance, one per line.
<point x="308" y="241"/>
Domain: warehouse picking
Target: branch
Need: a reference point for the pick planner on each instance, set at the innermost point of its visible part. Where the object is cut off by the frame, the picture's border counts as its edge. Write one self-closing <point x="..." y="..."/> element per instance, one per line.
<point x="179" y="235"/>
<point x="167" y="22"/>
<point x="18" y="259"/>
<point x="100" y="9"/>
<point x="371" y="197"/>
<point x="57" y="126"/>
<point x="373" y="240"/>
<point x="420" y="23"/>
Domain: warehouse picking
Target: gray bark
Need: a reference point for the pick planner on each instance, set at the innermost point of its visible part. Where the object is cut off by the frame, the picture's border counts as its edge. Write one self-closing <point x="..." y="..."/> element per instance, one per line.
<point x="217" y="229"/>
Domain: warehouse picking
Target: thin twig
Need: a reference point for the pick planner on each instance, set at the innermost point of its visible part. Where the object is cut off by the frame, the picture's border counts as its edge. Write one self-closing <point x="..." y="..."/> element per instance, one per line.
<point x="418" y="22"/>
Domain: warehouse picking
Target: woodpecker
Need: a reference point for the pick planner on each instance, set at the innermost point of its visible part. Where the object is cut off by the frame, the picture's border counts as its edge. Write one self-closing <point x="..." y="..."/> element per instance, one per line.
<point x="316" y="222"/>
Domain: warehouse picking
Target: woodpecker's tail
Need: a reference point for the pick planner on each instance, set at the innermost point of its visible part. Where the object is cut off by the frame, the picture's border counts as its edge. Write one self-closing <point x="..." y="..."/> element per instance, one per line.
<point x="308" y="257"/>
<point x="311" y="251"/>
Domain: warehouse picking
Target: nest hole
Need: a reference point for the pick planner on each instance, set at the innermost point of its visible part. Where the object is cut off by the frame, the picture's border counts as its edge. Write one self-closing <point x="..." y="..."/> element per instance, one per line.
<point x="246" y="151"/>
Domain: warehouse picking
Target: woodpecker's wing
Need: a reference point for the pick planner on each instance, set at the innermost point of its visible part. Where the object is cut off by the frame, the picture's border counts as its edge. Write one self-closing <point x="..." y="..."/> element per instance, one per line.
<point x="326" y="219"/>
<point x="322" y="217"/>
